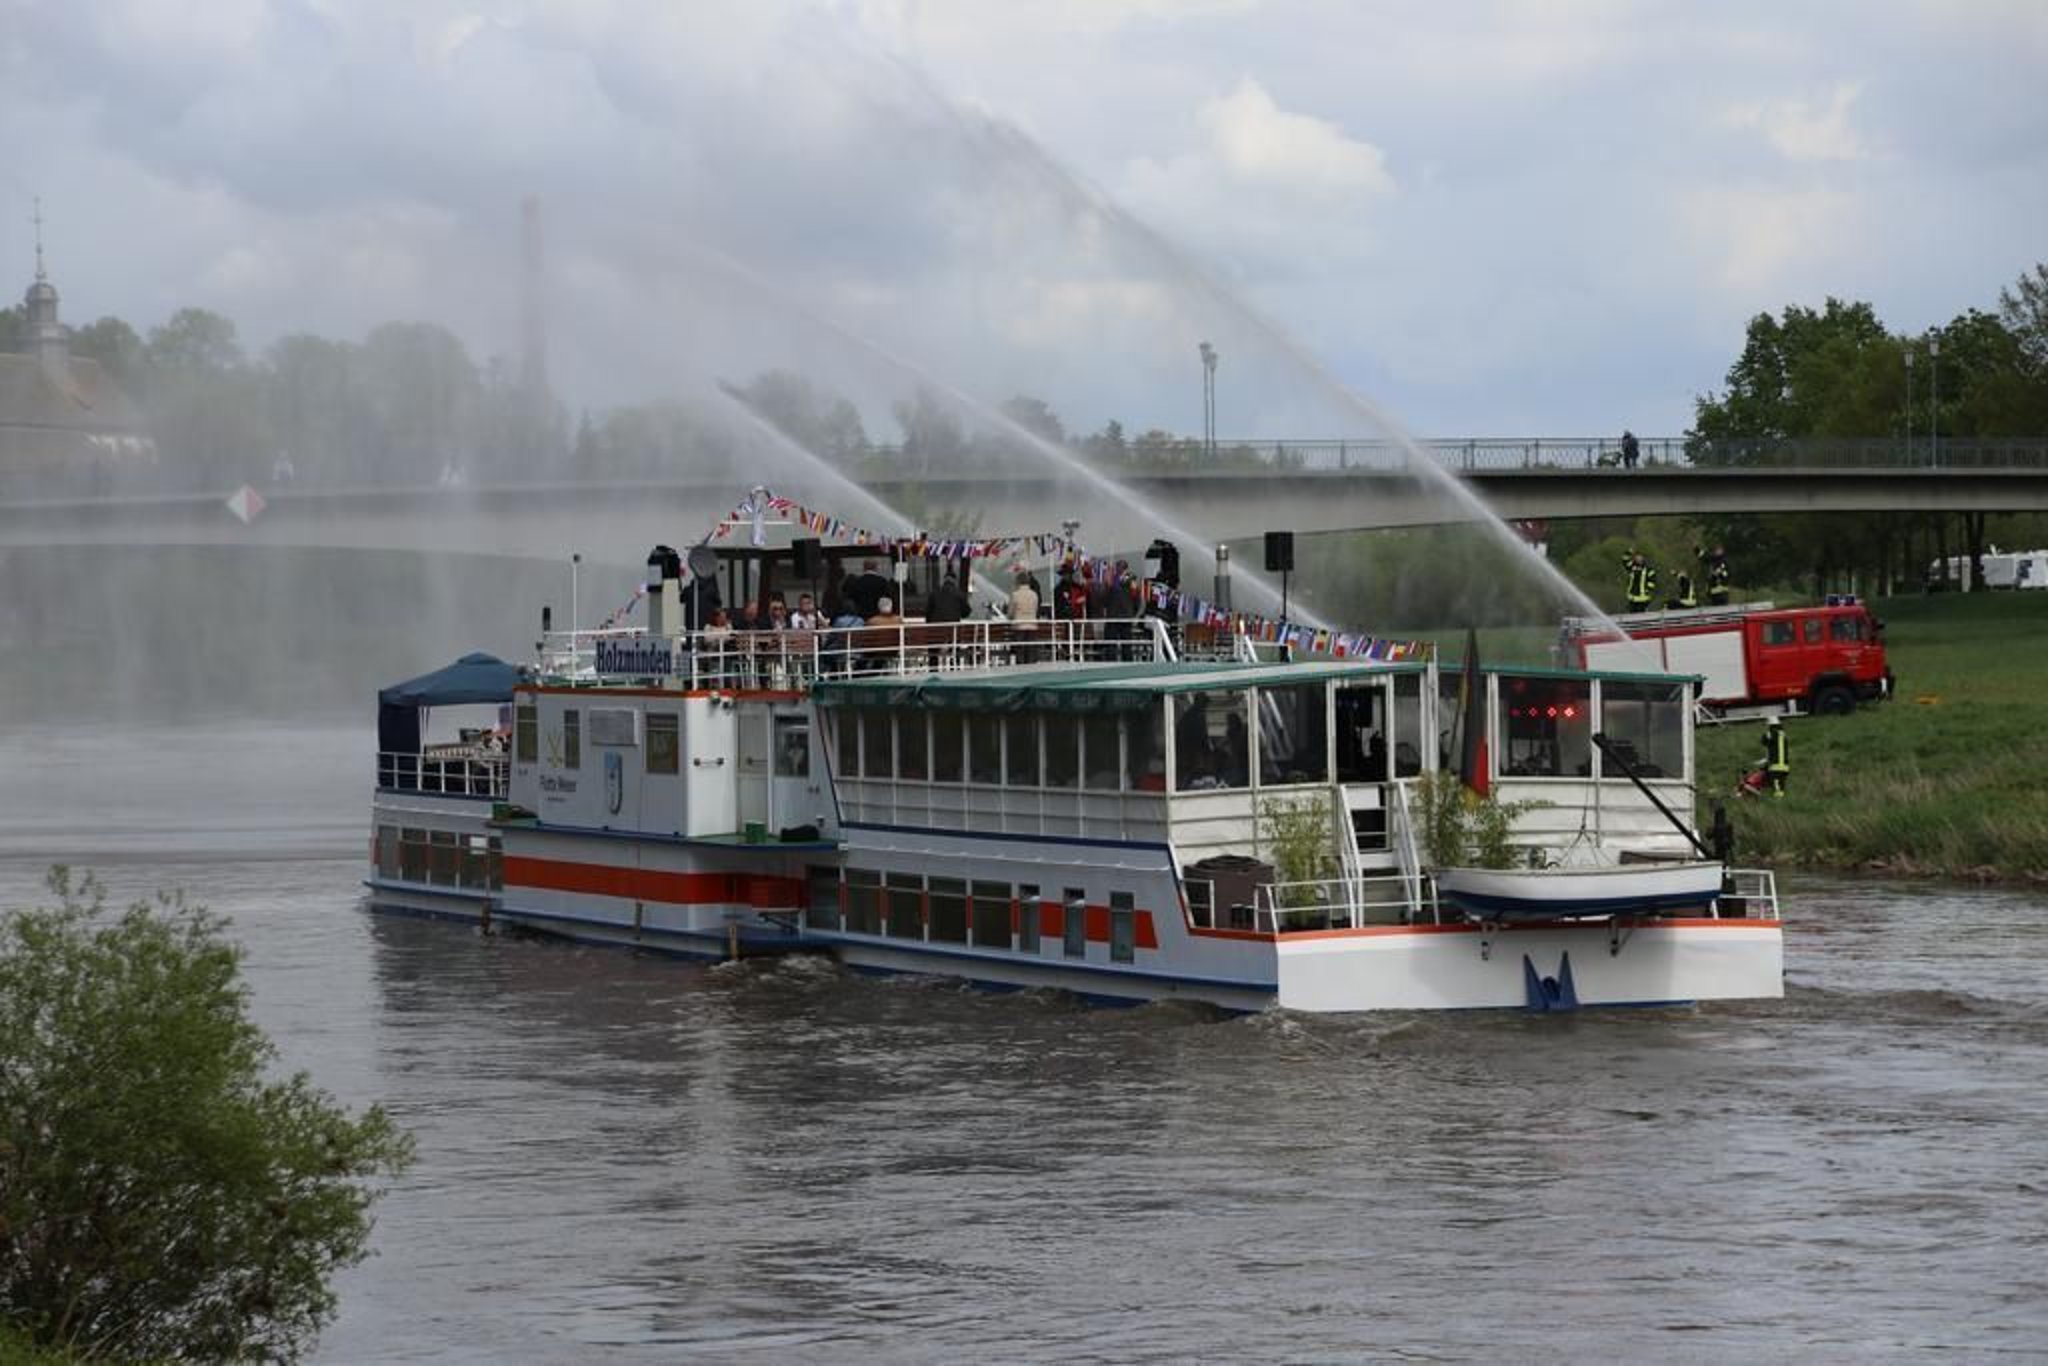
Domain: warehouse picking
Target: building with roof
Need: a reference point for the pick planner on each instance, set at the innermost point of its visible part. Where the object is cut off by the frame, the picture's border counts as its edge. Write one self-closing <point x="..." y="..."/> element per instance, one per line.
<point x="60" y="414"/>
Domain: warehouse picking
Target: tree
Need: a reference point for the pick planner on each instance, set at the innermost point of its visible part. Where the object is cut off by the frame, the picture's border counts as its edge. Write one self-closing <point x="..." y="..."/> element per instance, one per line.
<point x="160" y="1196"/>
<point x="1036" y="416"/>
<point x="2024" y="310"/>
<point x="117" y="348"/>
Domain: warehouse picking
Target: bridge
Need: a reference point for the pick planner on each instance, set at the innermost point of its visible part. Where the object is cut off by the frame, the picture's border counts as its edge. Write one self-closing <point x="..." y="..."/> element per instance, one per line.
<point x="1240" y="490"/>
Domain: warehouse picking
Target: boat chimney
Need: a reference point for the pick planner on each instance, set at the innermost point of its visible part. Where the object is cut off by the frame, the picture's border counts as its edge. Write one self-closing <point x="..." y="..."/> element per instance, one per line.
<point x="664" y="591"/>
<point x="1222" y="577"/>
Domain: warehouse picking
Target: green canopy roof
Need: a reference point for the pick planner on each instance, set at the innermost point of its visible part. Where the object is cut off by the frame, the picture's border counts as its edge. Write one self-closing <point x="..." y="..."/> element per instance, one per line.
<point x="1088" y="687"/>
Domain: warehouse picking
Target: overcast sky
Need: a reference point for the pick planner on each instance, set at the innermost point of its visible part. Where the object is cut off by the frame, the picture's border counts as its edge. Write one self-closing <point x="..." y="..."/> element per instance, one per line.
<point x="1537" y="217"/>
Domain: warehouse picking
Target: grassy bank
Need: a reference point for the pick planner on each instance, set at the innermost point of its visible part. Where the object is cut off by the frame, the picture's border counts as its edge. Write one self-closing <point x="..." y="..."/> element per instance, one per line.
<point x="1949" y="779"/>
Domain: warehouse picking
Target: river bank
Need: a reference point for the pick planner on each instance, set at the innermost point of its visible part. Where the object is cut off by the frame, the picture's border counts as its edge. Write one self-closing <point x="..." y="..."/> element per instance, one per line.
<point x="1944" y="781"/>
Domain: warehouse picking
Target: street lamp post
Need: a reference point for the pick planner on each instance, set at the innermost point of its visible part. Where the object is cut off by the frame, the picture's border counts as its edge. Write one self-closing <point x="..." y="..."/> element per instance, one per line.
<point x="1934" y="399"/>
<point x="1208" y="354"/>
<point x="1909" y="403"/>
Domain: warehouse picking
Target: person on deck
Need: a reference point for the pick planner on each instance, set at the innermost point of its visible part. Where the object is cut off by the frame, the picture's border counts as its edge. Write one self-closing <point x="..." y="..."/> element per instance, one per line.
<point x="1641" y="581"/>
<point x="865" y="590"/>
<point x="806" y="616"/>
<point x="885" y="613"/>
<point x="1023" y="599"/>
<point x="1777" y="756"/>
<point x="947" y="602"/>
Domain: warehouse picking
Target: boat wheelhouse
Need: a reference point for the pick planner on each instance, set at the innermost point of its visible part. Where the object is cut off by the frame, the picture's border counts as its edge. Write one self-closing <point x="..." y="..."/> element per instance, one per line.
<point x="1075" y="804"/>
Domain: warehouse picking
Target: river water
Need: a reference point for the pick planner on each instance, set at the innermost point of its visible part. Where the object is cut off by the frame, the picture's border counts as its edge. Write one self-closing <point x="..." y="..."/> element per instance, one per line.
<point x="628" y="1158"/>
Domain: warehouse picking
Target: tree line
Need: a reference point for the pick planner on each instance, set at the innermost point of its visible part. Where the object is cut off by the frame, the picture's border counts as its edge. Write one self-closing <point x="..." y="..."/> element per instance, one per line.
<point x="1839" y="372"/>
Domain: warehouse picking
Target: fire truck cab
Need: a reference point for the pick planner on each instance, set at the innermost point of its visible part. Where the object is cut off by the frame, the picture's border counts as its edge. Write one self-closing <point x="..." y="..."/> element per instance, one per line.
<point x="1759" y="656"/>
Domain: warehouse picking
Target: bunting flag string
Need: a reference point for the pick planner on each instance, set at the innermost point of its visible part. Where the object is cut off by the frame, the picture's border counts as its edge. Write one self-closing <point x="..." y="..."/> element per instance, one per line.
<point x="753" y="511"/>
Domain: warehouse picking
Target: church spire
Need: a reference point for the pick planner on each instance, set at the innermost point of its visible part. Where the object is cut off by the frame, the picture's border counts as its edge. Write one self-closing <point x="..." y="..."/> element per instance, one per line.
<point x="41" y="274"/>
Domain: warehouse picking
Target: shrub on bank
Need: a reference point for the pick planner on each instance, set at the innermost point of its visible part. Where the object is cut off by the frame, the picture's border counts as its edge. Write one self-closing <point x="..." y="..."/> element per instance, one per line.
<point x="161" y="1196"/>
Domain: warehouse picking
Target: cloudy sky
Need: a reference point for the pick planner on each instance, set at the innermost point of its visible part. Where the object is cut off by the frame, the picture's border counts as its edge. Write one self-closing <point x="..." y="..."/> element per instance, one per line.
<point x="1506" y="218"/>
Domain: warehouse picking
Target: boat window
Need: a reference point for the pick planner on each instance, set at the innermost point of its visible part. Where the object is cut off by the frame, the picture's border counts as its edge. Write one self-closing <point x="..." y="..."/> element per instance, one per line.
<point x="572" y="738"/>
<point x="526" y="734"/>
<point x="1409" y="740"/>
<point x="1362" y="733"/>
<point x="948" y="739"/>
<point x="911" y="743"/>
<point x="992" y="915"/>
<point x="1062" y="749"/>
<point x="387" y="850"/>
<point x="1778" y="633"/>
<point x="1848" y="628"/>
<point x="792" y="747"/>
<point x="1645" y="723"/>
<point x="1123" y="928"/>
<point x="1020" y="757"/>
<point x="821" y="900"/>
<point x="863" y="901"/>
<point x="876" y="759"/>
<point x="494" y="853"/>
<point x="476" y="862"/>
<point x="412" y="855"/>
<point x="1815" y="629"/>
<point x="446" y="858"/>
<point x="1144" y="761"/>
<point x="1547" y="725"/>
<point x="948" y="910"/>
<point x="1211" y="747"/>
<point x="1293" y="735"/>
<point x="663" y="747"/>
<point x="985" y="749"/>
<point x="906" y="906"/>
<point x="1029" y="914"/>
<point x="1101" y="752"/>
<point x="1074" y="923"/>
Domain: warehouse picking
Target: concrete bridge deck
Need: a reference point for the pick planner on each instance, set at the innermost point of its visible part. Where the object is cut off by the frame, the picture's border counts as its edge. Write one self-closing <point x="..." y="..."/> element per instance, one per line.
<point x="1306" y="487"/>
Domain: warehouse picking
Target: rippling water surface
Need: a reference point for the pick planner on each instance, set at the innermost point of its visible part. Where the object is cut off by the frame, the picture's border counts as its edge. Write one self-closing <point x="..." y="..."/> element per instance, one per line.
<point x="630" y="1158"/>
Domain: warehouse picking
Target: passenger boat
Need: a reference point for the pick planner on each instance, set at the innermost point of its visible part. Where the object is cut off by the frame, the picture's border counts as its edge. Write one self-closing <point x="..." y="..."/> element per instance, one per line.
<point x="1085" y="805"/>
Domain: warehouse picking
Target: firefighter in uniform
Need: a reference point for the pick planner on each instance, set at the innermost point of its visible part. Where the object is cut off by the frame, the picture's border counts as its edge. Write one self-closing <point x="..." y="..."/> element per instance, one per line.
<point x="1685" y="597"/>
<point x="1777" y="756"/>
<point x="1641" y="583"/>
<point x="1717" y="576"/>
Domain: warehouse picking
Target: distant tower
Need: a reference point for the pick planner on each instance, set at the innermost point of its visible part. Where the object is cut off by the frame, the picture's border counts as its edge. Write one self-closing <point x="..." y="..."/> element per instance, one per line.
<point x="533" y="350"/>
<point x="45" y="334"/>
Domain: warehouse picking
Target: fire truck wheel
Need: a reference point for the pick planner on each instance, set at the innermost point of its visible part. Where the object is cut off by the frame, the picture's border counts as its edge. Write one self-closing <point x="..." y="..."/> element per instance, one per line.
<point x="1835" y="701"/>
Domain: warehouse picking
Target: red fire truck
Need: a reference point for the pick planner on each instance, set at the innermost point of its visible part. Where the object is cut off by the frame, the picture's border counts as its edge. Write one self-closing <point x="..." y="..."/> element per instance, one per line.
<point x="1757" y="656"/>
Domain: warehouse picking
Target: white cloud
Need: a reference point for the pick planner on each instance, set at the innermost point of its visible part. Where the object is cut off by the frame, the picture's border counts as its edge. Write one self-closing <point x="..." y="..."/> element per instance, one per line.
<point x="1806" y="130"/>
<point x="1257" y="140"/>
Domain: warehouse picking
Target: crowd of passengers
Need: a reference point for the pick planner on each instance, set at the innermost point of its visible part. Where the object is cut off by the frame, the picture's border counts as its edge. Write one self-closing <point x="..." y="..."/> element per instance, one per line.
<point x="867" y="599"/>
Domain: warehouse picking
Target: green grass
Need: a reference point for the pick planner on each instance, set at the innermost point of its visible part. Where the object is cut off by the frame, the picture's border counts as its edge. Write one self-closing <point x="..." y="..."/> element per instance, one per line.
<point x="1949" y="779"/>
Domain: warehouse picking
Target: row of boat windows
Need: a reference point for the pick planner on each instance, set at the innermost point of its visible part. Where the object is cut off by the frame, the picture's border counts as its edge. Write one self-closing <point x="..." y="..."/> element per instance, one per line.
<point x="988" y="915"/>
<point x="441" y="858"/>
<point x="791" y="748"/>
<point x="1264" y="737"/>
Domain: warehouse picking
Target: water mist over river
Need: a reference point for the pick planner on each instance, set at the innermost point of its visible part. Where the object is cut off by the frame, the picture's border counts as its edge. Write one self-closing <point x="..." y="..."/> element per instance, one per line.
<point x="636" y="1158"/>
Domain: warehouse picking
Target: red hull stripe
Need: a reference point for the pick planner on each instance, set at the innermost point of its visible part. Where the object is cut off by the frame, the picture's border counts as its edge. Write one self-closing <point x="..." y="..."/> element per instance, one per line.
<point x="649" y="884"/>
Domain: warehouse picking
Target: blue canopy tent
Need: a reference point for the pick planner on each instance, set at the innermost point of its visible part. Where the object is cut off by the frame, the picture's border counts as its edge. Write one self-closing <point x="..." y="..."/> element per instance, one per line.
<point x="474" y="678"/>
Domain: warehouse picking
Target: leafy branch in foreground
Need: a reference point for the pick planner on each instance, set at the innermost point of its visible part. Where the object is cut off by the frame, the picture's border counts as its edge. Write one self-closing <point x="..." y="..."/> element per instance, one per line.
<point x="162" y="1195"/>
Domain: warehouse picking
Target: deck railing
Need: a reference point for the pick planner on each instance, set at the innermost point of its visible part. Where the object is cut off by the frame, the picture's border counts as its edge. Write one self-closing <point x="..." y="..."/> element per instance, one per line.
<point x="792" y="659"/>
<point x="480" y="774"/>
